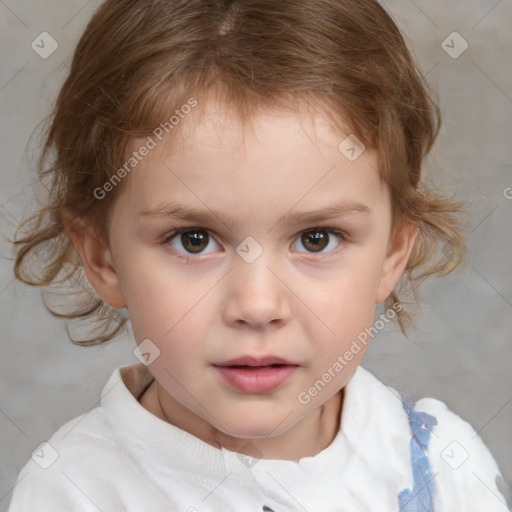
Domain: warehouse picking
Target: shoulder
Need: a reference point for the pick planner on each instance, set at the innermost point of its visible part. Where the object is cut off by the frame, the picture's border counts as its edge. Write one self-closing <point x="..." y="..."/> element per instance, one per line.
<point x="62" y="471"/>
<point x="466" y="476"/>
<point x="89" y="462"/>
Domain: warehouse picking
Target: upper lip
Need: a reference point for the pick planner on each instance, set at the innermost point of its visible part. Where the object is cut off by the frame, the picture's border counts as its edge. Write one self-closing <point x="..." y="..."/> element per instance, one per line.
<point x="255" y="361"/>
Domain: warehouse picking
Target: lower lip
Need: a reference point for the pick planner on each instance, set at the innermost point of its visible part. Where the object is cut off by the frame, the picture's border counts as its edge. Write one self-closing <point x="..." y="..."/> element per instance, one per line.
<point x="261" y="380"/>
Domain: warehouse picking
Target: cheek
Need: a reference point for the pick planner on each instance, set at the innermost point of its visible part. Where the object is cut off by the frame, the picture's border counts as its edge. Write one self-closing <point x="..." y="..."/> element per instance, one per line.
<point x="157" y="296"/>
<point x="162" y="313"/>
<point x="347" y="303"/>
<point x="356" y="281"/>
<point x="173" y="310"/>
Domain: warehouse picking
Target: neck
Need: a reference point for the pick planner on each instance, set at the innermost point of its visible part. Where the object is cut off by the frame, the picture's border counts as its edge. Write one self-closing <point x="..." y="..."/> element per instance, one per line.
<point x="306" y="438"/>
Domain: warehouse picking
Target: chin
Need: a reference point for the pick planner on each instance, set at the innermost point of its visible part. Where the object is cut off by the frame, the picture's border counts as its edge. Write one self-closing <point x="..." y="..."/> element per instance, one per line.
<point x="256" y="426"/>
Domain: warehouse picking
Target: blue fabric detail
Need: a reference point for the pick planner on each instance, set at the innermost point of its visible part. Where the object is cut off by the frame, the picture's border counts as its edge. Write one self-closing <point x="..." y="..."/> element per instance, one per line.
<point x="420" y="498"/>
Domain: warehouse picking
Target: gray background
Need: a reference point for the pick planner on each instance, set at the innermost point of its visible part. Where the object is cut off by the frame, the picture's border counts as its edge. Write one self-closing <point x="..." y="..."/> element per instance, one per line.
<point x="462" y="351"/>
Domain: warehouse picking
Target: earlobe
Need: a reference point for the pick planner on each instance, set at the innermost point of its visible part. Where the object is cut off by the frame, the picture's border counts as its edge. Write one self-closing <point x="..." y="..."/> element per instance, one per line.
<point x="97" y="261"/>
<point x="399" y="251"/>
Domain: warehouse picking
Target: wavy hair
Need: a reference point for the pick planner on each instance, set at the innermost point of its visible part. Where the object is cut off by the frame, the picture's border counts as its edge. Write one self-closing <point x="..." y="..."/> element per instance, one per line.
<point x="140" y="59"/>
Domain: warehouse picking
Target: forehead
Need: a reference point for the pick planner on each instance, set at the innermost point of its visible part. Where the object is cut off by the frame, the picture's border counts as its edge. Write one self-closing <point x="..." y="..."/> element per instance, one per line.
<point x="214" y="122"/>
<point x="277" y="158"/>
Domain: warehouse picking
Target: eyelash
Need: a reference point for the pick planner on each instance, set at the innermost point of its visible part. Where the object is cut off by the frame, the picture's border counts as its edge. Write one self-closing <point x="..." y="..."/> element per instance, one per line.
<point x="189" y="256"/>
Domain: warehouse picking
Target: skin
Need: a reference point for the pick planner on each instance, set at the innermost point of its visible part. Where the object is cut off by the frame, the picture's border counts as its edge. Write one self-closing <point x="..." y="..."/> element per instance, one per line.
<point x="292" y="302"/>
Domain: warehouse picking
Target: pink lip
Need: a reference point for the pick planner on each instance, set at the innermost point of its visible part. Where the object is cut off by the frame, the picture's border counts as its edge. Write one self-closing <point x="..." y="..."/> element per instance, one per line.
<point x="254" y="361"/>
<point x="249" y="374"/>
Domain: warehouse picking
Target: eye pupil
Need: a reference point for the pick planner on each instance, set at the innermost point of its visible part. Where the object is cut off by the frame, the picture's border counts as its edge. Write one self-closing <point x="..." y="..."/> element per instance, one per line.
<point x="318" y="240"/>
<point x="194" y="240"/>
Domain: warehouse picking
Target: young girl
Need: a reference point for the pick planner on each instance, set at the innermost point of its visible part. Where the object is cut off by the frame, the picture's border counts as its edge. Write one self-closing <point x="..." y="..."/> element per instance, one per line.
<point x="241" y="179"/>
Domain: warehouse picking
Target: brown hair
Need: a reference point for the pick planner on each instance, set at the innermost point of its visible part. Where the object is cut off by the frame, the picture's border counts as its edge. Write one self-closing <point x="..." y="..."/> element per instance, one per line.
<point x="138" y="59"/>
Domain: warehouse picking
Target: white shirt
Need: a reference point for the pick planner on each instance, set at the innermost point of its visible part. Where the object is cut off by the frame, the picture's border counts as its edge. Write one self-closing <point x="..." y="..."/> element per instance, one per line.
<point x="120" y="457"/>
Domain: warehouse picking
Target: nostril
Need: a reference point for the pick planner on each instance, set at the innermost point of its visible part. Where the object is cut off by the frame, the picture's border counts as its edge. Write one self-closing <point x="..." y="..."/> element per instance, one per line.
<point x="267" y="509"/>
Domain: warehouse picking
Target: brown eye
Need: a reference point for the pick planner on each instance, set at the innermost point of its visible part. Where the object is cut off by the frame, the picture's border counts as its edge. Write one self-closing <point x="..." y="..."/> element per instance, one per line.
<point x="193" y="241"/>
<point x="315" y="240"/>
<point x="318" y="239"/>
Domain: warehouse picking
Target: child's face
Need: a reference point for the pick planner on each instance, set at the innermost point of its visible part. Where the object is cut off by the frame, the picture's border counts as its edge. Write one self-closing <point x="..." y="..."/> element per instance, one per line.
<point x="203" y="303"/>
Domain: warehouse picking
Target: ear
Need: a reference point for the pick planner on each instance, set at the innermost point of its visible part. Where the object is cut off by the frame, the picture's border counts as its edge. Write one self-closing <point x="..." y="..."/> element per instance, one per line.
<point x="97" y="260"/>
<point x="399" y="251"/>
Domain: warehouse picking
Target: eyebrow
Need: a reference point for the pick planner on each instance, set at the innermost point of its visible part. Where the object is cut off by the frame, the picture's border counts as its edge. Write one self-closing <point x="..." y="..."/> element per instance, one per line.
<point x="184" y="212"/>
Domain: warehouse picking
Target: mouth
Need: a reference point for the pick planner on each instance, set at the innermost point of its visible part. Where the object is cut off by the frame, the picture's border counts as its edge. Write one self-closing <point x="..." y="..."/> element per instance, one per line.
<point x="248" y="367"/>
<point x="256" y="375"/>
<point x="255" y="361"/>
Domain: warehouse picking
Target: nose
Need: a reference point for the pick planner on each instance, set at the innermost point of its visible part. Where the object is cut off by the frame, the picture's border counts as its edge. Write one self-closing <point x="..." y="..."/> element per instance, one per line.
<point x="257" y="295"/>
